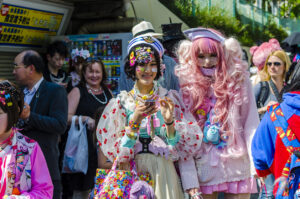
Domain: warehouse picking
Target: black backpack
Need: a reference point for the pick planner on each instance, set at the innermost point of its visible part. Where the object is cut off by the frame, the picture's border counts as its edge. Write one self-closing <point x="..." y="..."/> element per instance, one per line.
<point x="263" y="94"/>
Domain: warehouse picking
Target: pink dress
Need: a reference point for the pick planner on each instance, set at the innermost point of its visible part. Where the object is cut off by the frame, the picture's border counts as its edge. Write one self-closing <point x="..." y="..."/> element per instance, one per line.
<point x="24" y="172"/>
<point x="211" y="171"/>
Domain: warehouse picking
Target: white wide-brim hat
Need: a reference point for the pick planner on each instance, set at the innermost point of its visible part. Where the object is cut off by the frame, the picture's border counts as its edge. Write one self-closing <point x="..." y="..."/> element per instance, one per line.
<point x="144" y="28"/>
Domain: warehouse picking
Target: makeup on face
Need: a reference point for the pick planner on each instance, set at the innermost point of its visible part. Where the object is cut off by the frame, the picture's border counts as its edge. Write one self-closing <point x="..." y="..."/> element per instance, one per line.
<point x="207" y="60"/>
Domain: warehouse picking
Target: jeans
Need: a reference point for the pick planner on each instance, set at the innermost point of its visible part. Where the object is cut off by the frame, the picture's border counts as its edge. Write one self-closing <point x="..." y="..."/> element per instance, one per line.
<point x="269" y="182"/>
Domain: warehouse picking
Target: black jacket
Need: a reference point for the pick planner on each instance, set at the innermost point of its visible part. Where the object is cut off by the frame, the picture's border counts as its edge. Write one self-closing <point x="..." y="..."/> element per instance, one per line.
<point x="47" y="121"/>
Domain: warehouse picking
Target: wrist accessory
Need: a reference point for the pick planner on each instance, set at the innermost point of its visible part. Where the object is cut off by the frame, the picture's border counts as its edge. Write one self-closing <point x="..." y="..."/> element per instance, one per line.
<point x="196" y="195"/>
<point x="169" y="124"/>
<point x="134" y="125"/>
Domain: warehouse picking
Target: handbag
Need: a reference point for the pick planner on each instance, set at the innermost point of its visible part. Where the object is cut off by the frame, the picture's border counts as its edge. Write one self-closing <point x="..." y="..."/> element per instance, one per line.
<point x="117" y="184"/>
<point x="76" y="152"/>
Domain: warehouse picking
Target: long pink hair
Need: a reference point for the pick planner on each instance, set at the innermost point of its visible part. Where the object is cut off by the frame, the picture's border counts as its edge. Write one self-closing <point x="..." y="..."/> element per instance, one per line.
<point x="228" y="86"/>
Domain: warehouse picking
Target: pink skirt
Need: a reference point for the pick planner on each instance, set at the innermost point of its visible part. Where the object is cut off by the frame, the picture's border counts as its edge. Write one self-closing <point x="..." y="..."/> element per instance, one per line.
<point x="243" y="186"/>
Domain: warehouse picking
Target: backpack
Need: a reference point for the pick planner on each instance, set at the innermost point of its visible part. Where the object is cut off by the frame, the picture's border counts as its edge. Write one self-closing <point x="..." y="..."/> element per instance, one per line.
<point x="289" y="188"/>
<point x="263" y="94"/>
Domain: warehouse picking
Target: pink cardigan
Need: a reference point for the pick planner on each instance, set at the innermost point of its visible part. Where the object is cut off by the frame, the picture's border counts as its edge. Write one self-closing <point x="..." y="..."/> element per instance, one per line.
<point x="209" y="169"/>
<point x="30" y="175"/>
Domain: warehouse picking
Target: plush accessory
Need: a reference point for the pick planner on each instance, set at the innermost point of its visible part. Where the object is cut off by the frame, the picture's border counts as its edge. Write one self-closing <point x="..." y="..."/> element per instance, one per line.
<point x="261" y="53"/>
<point x="211" y="132"/>
<point x="141" y="189"/>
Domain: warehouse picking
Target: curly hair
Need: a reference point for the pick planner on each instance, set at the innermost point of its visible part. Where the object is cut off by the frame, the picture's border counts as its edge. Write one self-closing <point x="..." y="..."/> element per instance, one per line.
<point x="228" y="86"/>
<point x="130" y="70"/>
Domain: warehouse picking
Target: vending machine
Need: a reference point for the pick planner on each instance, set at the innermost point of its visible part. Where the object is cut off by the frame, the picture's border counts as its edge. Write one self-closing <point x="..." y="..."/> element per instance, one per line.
<point x="110" y="48"/>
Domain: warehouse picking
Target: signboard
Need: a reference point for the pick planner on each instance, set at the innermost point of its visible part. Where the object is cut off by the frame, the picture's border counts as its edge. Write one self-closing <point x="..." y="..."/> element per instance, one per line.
<point x="30" y="23"/>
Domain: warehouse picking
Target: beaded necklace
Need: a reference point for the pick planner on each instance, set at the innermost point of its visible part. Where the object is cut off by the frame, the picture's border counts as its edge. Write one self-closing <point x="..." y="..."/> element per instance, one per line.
<point x="90" y="90"/>
<point x="137" y="96"/>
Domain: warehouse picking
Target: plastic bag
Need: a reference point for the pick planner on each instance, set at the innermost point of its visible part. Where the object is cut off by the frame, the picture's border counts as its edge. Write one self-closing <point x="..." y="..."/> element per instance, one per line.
<point x="76" y="151"/>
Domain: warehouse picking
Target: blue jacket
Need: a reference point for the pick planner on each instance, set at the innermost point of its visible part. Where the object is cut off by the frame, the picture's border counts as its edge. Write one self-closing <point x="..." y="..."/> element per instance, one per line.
<point x="268" y="151"/>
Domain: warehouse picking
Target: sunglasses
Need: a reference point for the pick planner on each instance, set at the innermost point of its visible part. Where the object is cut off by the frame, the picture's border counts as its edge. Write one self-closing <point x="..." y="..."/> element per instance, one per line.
<point x="275" y="63"/>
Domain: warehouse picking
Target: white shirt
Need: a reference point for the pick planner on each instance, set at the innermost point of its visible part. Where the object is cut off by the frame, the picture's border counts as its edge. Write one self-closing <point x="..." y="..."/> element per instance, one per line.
<point x="30" y="93"/>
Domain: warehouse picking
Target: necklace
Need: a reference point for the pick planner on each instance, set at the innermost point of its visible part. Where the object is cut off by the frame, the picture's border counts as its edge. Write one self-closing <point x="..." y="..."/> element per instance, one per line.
<point x="7" y="141"/>
<point x="96" y="98"/>
<point x="137" y="95"/>
<point x="95" y="90"/>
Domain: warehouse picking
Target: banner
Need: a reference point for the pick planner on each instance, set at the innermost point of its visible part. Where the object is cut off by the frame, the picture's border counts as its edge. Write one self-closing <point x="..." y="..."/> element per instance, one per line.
<point x="27" y="26"/>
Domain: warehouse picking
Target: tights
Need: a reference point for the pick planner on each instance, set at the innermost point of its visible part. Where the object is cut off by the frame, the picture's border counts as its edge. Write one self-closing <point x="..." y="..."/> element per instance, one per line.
<point x="227" y="196"/>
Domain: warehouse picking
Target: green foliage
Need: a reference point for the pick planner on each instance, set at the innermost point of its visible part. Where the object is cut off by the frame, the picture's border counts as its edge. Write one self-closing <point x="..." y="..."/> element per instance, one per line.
<point x="219" y="19"/>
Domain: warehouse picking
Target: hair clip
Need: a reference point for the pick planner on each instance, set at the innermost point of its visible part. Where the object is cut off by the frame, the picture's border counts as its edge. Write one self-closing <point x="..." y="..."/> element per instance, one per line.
<point x="2" y="100"/>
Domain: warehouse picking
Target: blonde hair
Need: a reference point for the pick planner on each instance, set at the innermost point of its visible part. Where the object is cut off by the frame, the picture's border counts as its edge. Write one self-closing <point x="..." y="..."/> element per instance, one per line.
<point x="264" y="74"/>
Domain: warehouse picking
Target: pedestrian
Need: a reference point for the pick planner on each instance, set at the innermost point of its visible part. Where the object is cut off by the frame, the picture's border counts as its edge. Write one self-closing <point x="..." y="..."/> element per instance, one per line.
<point x="78" y="59"/>
<point x="259" y="56"/>
<point x="169" y="80"/>
<point x="84" y="100"/>
<point x="147" y="123"/>
<point x="272" y="77"/>
<point x="270" y="142"/>
<point x="56" y="55"/>
<point x="217" y="90"/>
<point x="45" y="112"/>
<point x="23" y="168"/>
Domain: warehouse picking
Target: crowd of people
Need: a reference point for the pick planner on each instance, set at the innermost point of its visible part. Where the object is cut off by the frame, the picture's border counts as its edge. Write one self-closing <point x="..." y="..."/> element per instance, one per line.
<point x="187" y="115"/>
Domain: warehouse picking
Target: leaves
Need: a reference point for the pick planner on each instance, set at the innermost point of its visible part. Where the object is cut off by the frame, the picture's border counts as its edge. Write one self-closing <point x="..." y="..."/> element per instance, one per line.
<point x="221" y="20"/>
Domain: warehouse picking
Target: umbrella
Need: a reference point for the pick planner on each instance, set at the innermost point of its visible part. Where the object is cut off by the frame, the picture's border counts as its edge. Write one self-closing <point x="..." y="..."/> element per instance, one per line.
<point x="293" y="39"/>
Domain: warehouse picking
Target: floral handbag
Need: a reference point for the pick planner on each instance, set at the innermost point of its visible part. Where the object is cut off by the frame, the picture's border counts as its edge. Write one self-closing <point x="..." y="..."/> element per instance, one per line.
<point x="116" y="184"/>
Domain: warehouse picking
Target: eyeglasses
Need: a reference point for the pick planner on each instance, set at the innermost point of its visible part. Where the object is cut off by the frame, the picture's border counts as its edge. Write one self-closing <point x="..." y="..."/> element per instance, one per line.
<point x="17" y="66"/>
<point x="275" y="64"/>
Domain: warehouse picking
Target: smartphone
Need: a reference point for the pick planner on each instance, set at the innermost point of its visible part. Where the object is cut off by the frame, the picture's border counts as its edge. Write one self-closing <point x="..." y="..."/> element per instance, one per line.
<point x="150" y="102"/>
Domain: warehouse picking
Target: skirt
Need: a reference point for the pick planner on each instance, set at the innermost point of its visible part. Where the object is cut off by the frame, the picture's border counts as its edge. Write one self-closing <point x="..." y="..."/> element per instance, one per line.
<point x="162" y="171"/>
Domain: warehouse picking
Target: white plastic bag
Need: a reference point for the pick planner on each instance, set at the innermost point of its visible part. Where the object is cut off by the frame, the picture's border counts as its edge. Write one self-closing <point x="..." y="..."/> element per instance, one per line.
<point x="76" y="151"/>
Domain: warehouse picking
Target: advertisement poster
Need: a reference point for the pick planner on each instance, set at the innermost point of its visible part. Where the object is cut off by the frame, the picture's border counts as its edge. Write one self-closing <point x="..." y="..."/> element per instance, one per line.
<point x="29" y="25"/>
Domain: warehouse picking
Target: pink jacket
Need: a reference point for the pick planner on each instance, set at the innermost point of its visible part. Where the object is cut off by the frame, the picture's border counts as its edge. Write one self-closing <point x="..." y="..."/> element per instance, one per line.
<point x="24" y="172"/>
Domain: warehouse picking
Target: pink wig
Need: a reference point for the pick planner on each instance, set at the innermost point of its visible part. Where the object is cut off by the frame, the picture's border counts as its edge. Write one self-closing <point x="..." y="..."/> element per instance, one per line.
<point x="260" y="53"/>
<point x="228" y="86"/>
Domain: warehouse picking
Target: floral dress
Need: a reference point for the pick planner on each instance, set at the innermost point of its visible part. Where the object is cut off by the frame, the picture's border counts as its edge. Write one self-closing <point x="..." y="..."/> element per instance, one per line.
<point x="158" y="158"/>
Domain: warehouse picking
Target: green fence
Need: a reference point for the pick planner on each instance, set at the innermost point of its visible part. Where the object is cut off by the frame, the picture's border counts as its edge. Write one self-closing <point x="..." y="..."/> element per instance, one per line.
<point x="249" y="13"/>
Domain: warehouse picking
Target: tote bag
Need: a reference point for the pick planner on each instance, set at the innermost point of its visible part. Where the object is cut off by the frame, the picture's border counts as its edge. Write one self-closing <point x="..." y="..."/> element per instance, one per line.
<point x="116" y="184"/>
<point x="76" y="151"/>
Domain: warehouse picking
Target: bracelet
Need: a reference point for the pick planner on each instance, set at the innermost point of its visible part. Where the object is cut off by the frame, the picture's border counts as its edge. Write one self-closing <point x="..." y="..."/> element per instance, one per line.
<point x="132" y="135"/>
<point x="134" y="125"/>
<point x="169" y="124"/>
<point x="195" y="195"/>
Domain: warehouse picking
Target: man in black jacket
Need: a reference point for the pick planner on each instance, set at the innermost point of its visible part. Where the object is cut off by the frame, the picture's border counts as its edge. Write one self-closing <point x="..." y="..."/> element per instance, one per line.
<point x="44" y="117"/>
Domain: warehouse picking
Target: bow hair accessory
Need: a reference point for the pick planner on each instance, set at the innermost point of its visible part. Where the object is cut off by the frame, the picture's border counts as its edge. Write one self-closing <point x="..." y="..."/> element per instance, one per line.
<point x="80" y="53"/>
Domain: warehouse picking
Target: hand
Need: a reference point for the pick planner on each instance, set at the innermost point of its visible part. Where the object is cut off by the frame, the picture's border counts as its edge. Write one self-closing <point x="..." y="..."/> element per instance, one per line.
<point x="193" y="192"/>
<point x="271" y="103"/>
<point x="26" y="112"/>
<point x="265" y="108"/>
<point x="90" y="123"/>
<point x="167" y="109"/>
<point x="63" y="84"/>
<point x="143" y="110"/>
